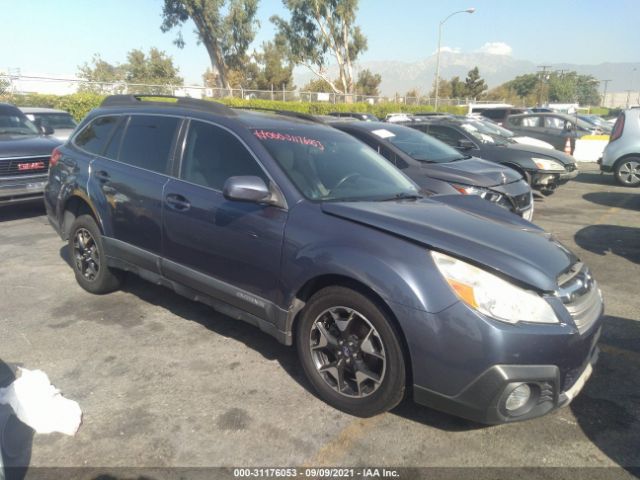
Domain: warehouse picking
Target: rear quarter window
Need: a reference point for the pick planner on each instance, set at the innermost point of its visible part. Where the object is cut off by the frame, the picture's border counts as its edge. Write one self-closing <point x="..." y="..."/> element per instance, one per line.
<point x="95" y="136"/>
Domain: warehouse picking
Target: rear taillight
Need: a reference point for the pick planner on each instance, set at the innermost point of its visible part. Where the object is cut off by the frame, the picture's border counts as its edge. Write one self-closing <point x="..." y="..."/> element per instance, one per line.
<point x="616" y="133"/>
<point x="55" y="156"/>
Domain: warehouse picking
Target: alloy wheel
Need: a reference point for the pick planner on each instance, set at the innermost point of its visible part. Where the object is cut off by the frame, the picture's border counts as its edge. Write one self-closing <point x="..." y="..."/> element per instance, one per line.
<point x="347" y="352"/>
<point x="86" y="254"/>
<point x="629" y="172"/>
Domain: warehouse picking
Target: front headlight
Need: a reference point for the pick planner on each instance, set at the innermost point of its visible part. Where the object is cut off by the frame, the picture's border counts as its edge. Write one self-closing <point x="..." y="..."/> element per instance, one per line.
<point x="492" y="295"/>
<point x="481" y="192"/>
<point x="546" y="164"/>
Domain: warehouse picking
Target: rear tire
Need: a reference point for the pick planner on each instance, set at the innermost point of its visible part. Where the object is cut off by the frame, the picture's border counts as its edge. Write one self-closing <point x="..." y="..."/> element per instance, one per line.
<point x="351" y="353"/>
<point x="627" y="171"/>
<point x="88" y="259"/>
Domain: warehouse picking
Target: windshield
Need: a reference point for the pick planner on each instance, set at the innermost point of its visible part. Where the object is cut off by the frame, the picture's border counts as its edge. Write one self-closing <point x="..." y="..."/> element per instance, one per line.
<point x="418" y="145"/>
<point x="495" y="129"/>
<point x="13" y="123"/>
<point x="55" y="120"/>
<point x="326" y="164"/>
<point x="483" y="134"/>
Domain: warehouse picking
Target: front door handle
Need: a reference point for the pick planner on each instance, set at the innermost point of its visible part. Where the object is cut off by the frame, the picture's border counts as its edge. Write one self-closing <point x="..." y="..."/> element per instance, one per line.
<point x="102" y="176"/>
<point x="177" y="202"/>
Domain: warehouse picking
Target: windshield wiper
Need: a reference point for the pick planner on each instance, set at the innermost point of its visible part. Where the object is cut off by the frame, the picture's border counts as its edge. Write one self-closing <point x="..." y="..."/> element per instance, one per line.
<point x="402" y="196"/>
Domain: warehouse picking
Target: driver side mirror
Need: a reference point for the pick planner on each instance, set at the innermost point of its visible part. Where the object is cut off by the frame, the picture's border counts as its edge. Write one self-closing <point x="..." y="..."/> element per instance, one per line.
<point x="246" y="189"/>
<point x="465" y="144"/>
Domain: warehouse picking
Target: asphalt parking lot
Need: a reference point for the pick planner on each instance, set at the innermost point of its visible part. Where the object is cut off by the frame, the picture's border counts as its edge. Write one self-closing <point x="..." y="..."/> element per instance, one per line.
<point x="163" y="381"/>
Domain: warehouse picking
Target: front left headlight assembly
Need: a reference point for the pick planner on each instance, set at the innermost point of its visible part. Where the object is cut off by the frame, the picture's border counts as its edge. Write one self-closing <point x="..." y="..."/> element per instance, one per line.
<point x="546" y="164"/>
<point x="484" y="193"/>
<point x="491" y="295"/>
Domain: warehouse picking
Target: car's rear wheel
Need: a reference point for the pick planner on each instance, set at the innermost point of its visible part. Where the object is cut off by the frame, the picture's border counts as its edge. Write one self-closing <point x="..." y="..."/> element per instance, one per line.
<point x="627" y="171"/>
<point x="351" y="352"/>
<point x="87" y="254"/>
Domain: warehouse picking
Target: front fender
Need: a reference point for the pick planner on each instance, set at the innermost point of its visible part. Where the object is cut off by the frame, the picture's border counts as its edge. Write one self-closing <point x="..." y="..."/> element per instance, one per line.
<point x="396" y="269"/>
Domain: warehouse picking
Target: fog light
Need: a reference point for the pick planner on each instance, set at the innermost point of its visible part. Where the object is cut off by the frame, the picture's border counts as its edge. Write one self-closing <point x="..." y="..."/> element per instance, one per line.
<point x="518" y="397"/>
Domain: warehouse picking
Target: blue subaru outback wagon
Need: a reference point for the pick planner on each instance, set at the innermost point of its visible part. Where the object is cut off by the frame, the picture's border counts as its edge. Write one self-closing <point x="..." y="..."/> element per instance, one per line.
<point x="313" y="237"/>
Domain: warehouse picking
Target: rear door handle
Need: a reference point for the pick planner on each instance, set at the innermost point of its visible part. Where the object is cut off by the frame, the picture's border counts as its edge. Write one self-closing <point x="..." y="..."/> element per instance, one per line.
<point x="177" y="202"/>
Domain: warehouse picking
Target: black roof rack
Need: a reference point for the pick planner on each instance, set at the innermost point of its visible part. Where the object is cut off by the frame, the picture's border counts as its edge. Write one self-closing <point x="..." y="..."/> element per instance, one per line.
<point x="133" y="100"/>
<point x="288" y="113"/>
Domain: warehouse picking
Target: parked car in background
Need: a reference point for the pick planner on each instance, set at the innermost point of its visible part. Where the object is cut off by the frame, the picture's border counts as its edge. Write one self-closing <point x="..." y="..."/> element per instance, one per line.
<point x="60" y="121"/>
<point x="442" y="170"/>
<point x="622" y="154"/>
<point x="543" y="169"/>
<point x="398" y="117"/>
<point x="366" y="117"/>
<point x="309" y="234"/>
<point x="24" y="156"/>
<point x="598" y="122"/>
<point x="497" y="114"/>
<point x="493" y="128"/>
<point x="554" y="128"/>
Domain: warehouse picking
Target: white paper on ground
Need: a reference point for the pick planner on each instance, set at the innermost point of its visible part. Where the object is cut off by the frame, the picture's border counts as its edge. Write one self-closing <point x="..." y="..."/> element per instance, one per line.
<point x="40" y="405"/>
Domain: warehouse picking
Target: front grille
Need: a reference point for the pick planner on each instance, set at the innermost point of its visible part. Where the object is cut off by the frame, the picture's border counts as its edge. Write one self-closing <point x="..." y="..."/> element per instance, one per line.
<point x="570" y="167"/>
<point x="24" y="165"/>
<point x="581" y="296"/>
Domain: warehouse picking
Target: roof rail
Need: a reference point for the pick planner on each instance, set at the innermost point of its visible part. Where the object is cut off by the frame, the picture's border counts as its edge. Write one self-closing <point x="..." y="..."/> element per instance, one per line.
<point x="288" y="113"/>
<point x="195" y="103"/>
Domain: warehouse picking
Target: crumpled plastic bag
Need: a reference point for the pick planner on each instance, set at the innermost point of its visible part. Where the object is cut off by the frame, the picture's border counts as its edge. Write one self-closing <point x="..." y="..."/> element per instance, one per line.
<point x="40" y="405"/>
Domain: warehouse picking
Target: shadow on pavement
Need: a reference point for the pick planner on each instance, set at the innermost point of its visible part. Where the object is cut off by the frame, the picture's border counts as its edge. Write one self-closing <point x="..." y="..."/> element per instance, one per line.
<point x="16" y="438"/>
<point x="34" y="208"/>
<point x="607" y="409"/>
<point x="595" y="178"/>
<point x="602" y="239"/>
<point x="433" y="418"/>
<point x="629" y="201"/>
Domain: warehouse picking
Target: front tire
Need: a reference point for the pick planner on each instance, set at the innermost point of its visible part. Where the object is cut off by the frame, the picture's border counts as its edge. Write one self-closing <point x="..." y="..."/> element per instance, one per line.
<point x="351" y="352"/>
<point x="87" y="255"/>
<point x="627" y="171"/>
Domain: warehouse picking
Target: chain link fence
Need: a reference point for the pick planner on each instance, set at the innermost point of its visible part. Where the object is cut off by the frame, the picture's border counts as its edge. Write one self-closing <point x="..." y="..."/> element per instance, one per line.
<point x="25" y="84"/>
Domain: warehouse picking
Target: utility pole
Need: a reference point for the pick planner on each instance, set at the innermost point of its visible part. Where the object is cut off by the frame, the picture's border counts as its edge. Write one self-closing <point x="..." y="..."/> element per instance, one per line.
<point x="604" y="95"/>
<point x="543" y="75"/>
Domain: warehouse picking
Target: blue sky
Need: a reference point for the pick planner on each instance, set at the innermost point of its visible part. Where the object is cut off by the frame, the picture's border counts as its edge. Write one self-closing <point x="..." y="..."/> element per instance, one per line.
<point x="55" y="36"/>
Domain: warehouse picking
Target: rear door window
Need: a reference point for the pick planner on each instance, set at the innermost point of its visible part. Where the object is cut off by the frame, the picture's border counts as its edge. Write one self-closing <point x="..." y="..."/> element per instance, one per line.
<point x="148" y="142"/>
<point x="95" y="136"/>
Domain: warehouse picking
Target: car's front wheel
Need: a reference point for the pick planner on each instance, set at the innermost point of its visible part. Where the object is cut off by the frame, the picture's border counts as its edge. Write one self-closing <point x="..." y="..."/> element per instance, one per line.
<point x="627" y="171"/>
<point x="87" y="254"/>
<point x="351" y="352"/>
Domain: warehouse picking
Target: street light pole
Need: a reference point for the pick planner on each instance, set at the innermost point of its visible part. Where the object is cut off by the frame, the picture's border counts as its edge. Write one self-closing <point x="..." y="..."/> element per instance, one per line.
<point x="468" y="10"/>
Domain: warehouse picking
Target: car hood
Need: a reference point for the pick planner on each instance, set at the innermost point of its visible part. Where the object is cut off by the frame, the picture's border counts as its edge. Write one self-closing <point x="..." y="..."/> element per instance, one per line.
<point x="472" y="171"/>
<point x="543" y="153"/>
<point x="528" y="255"/>
<point x="26" y="145"/>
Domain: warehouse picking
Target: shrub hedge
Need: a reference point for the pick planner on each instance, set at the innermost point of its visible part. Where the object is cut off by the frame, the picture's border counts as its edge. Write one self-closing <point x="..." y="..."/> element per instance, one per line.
<point x="79" y="104"/>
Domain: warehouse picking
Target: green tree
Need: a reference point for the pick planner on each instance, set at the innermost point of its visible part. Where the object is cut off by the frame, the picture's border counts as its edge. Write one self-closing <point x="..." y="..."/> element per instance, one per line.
<point x="458" y="88"/>
<point x="524" y="85"/>
<point x="226" y="37"/>
<point x="275" y="69"/>
<point x="368" y="83"/>
<point x="99" y="71"/>
<point x="474" y="84"/>
<point x="318" y="85"/>
<point x="154" y="68"/>
<point x="444" y="89"/>
<point x="320" y="29"/>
